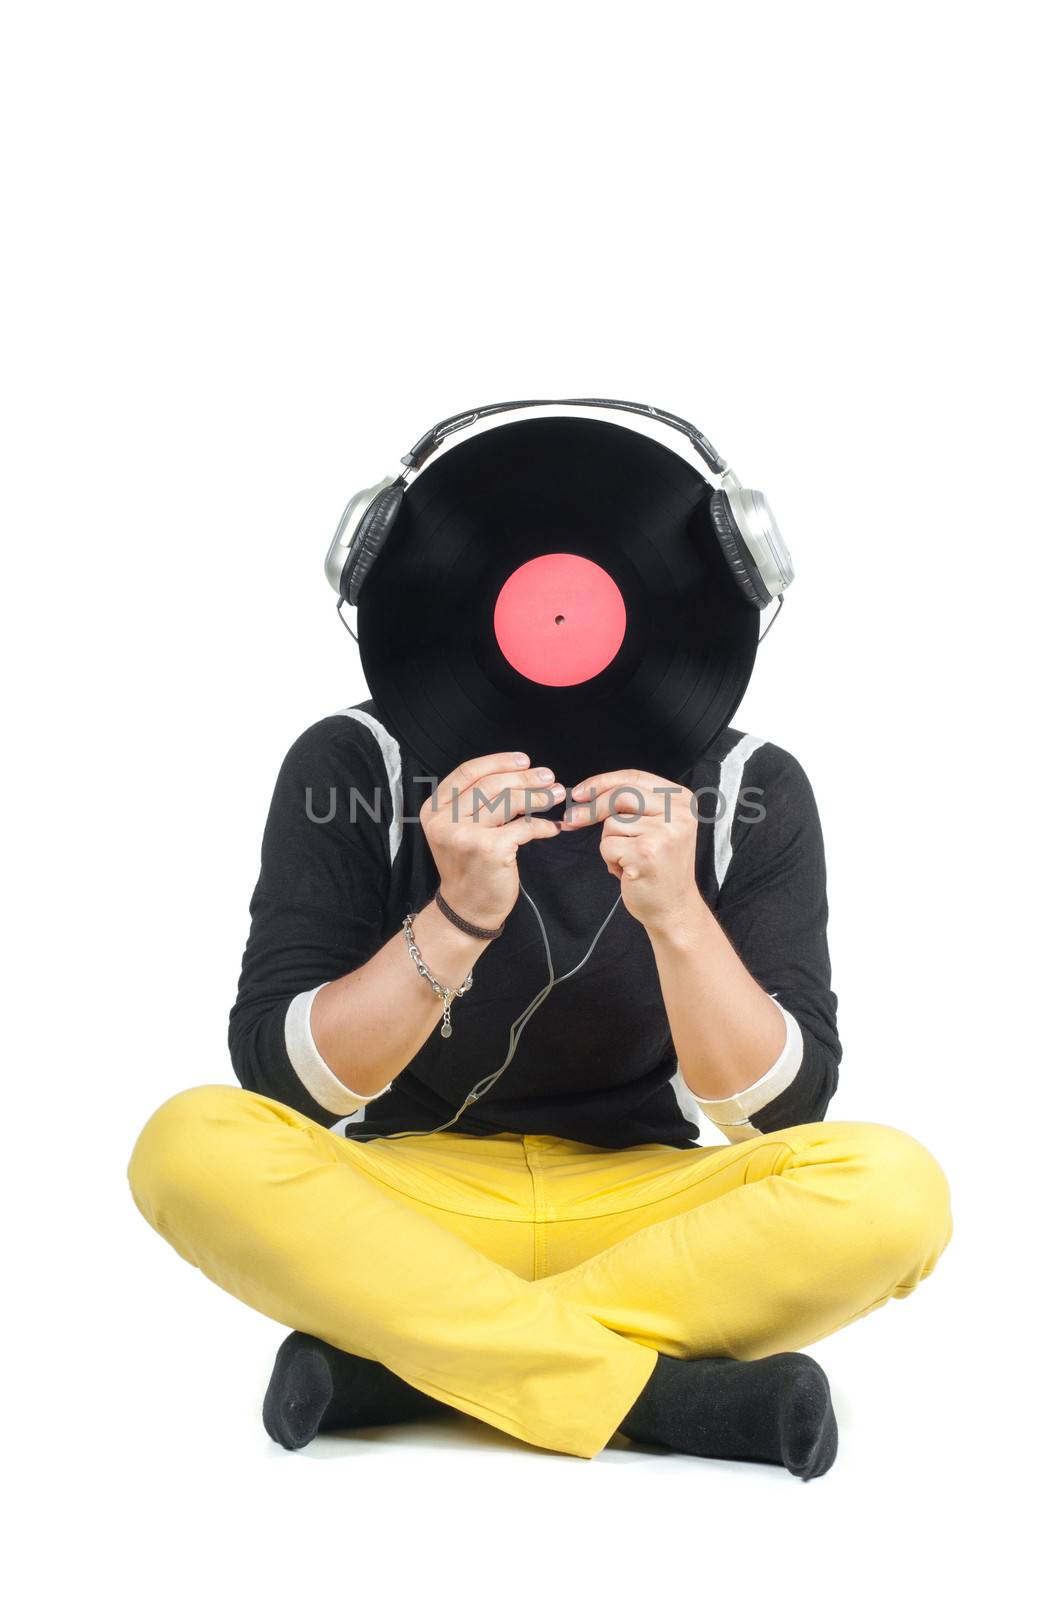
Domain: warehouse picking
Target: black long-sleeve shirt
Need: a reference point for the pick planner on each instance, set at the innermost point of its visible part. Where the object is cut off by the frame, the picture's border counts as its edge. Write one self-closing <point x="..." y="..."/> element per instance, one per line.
<point x="596" y="1062"/>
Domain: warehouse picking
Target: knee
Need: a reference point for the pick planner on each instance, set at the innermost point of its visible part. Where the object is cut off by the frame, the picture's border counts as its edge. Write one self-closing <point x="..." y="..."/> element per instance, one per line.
<point x="907" y="1207"/>
<point x="181" y="1148"/>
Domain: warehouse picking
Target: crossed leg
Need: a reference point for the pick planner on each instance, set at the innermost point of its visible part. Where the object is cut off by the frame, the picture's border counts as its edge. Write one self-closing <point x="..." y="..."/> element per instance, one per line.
<point x="783" y="1239"/>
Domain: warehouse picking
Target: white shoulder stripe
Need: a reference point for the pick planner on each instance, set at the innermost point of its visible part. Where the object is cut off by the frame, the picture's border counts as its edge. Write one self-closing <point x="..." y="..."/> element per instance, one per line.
<point x="731" y="769"/>
<point x="392" y="755"/>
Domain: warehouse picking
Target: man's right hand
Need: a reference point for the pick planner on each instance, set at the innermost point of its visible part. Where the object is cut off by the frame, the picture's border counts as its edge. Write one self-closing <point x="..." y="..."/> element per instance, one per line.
<point x="476" y="821"/>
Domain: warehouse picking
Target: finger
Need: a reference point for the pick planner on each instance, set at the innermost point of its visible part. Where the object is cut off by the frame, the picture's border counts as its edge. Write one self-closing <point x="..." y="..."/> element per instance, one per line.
<point x="620" y="854"/>
<point x="653" y="791"/>
<point x="610" y="780"/>
<point x="634" y="827"/>
<point x="498" y="798"/>
<point x="458" y="797"/>
<point x="629" y="790"/>
<point x="524" y="829"/>
<point x="476" y="767"/>
<point x="623" y="827"/>
<point x="622" y="800"/>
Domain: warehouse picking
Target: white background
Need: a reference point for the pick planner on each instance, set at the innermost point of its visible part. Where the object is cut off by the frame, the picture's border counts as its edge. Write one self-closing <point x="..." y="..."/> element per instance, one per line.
<point x="254" y="251"/>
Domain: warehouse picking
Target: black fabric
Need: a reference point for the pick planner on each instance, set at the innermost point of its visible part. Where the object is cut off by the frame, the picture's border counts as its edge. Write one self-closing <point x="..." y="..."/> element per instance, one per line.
<point x="736" y="552"/>
<point x="777" y="1409"/>
<point x="596" y="1062"/>
<point x="318" y="1389"/>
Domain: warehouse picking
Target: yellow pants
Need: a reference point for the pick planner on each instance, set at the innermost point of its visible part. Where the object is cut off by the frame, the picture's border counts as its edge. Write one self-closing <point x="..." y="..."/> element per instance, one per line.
<point x="531" y="1281"/>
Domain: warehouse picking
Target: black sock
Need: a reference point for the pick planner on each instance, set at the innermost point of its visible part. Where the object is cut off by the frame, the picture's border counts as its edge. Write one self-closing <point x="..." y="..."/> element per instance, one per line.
<point x="776" y="1409"/>
<point x="316" y="1389"/>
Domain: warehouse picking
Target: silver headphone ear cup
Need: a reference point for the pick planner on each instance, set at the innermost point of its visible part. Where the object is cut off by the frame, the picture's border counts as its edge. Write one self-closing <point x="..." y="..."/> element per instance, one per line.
<point x="736" y="552"/>
<point x="369" y="540"/>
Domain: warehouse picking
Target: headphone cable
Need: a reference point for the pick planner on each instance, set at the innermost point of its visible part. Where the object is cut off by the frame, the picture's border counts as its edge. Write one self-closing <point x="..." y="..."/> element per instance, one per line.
<point x="516" y="1028"/>
<point x="343" y="619"/>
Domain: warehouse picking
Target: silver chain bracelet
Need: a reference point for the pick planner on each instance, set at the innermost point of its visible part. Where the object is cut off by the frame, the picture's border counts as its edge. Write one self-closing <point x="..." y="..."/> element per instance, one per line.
<point x="439" y="989"/>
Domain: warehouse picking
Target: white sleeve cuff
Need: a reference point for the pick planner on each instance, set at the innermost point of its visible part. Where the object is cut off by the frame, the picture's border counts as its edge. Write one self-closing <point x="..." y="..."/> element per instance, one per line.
<point x="732" y="1116"/>
<point x="312" y="1070"/>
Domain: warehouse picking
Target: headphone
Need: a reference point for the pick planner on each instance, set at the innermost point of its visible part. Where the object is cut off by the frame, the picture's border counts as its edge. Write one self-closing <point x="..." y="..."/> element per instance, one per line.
<point x="747" y="531"/>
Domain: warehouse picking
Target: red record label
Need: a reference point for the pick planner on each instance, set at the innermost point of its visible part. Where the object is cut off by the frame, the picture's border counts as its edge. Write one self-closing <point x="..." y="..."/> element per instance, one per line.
<point x="559" y="619"/>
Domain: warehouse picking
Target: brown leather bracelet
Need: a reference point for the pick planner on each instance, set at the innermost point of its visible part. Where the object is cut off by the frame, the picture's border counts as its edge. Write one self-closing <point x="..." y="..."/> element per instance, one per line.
<point x="466" y="927"/>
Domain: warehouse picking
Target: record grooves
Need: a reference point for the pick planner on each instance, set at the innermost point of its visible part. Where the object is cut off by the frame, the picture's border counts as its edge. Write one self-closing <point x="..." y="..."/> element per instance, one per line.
<point x="637" y="579"/>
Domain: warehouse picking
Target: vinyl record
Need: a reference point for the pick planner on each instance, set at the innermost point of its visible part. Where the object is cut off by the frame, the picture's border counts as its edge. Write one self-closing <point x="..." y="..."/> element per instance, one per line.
<point x="555" y="585"/>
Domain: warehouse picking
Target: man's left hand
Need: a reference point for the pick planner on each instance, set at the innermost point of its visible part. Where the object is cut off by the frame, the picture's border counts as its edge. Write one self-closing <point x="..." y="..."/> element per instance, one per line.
<point x="649" y="837"/>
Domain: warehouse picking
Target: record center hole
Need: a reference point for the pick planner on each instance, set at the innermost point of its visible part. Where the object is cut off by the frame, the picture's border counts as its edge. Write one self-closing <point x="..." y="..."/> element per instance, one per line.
<point x="559" y="619"/>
